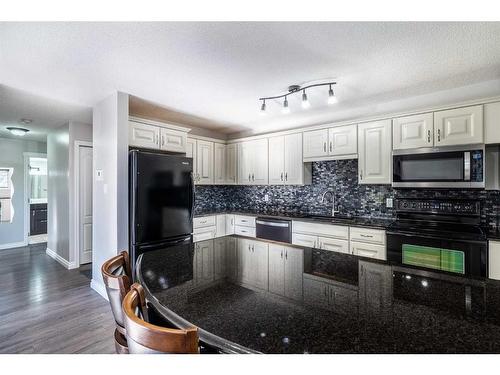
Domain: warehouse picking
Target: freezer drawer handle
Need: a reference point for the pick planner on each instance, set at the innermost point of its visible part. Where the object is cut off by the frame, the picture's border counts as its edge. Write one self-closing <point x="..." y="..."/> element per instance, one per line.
<point x="272" y="224"/>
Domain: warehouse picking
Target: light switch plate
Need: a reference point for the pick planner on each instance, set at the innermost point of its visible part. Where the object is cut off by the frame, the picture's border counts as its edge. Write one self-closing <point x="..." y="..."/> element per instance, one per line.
<point x="266" y="198"/>
<point x="389" y="202"/>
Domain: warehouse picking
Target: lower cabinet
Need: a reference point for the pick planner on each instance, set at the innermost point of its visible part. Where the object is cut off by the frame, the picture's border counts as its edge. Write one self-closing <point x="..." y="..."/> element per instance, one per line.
<point x="494" y="260"/>
<point x="368" y="250"/>
<point x="304" y="240"/>
<point x="375" y="290"/>
<point x="340" y="298"/>
<point x="253" y="263"/>
<point x="220" y="261"/>
<point x="286" y="266"/>
<point x="333" y="244"/>
<point x="204" y="263"/>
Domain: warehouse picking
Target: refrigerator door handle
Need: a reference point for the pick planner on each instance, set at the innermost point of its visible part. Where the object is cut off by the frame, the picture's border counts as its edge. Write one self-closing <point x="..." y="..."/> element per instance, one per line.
<point x="192" y="199"/>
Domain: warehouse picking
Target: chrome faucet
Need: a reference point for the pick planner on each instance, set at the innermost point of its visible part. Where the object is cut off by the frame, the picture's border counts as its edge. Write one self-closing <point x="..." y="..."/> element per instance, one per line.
<point x="332" y="193"/>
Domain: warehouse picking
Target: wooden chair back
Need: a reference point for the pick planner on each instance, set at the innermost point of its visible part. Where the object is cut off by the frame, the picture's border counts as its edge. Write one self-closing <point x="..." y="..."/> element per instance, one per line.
<point x="144" y="338"/>
<point x="117" y="279"/>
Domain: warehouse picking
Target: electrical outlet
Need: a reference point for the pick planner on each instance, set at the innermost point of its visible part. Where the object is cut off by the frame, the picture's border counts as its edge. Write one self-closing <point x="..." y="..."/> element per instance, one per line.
<point x="389" y="202"/>
<point x="266" y="198"/>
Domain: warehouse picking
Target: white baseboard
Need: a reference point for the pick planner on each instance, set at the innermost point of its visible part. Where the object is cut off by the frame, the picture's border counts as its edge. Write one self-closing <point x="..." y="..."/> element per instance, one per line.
<point x="60" y="259"/>
<point x="12" y="245"/>
<point x="99" y="288"/>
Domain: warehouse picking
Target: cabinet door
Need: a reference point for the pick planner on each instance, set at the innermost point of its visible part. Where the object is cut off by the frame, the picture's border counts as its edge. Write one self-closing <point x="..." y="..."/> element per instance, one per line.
<point x="494" y="260"/>
<point x="229" y="224"/>
<point x="220" y="262"/>
<point x="413" y="131"/>
<point x="305" y="240"/>
<point x="172" y="140"/>
<point x="143" y="135"/>
<point x="220" y="225"/>
<point x="375" y="290"/>
<point x="260" y="165"/>
<point x="343" y="300"/>
<point x="205" y="162"/>
<point x="191" y="153"/>
<point x="294" y="269"/>
<point x="244" y="163"/>
<point x="277" y="269"/>
<point x="315" y="143"/>
<point x="375" y="152"/>
<point x="316" y="293"/>
<point x="294" y="163"/>
<point x="244" y="260"/>
<point x="260" y="264"/>
<point x="277" y="160"/>
<point x="343" y="140"/>
<point x="219" y="163"/>
<point x="231" y="258"/>
<point x="231" y="163"/>
<point x="368" y="250"/>
<point x="332" y="244"/>
<point x="204" y="262"/>
<point x="459" y="126"/>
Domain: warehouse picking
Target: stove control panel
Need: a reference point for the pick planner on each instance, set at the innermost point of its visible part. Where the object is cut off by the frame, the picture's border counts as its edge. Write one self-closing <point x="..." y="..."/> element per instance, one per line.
<point x="438" y="206"/>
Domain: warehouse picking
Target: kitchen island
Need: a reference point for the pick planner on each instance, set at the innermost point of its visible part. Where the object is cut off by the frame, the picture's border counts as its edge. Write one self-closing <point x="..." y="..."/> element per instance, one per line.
<point x="266" y="297"/>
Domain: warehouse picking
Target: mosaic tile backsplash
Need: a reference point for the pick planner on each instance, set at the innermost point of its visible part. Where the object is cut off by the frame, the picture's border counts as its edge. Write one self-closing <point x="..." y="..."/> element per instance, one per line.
<point x="340" y="176"/>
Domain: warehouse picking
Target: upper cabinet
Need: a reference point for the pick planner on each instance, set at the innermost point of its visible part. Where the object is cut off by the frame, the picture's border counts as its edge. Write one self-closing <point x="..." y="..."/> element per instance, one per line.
<point x="231" y="163"/>
<point x="219" y="163"/>
<point x="285" y="161"/>
<point x="159" y="136"/>
<point x="253" y="162"/>
<point x="452" y="127"/>
<point x="375" y="152"/>
<point x="413" y="131"/>
<point x="459" y="126"/>
<point x="335" y="143"/>
<point x="202" y="153"/>
<point x="492" y="123"/>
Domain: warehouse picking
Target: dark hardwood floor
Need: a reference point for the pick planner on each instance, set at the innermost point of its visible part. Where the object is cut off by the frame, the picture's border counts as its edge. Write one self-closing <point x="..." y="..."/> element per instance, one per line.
<point x="45" y="308"/>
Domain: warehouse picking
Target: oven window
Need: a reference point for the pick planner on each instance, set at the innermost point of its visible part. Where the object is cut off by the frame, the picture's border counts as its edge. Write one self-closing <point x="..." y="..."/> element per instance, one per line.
<point x="434" y="257"/>
<point x="437" y="167"/>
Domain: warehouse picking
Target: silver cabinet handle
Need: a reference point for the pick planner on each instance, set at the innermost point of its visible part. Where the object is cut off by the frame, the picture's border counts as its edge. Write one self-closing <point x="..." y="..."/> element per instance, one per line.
<point x="253" y="177"/>
<point x="249" y="177"/>
<point x="428" y="136"/>
<point x="361" y="174"/>
<point x="286" y="176"/>
<point x="156" y="139"/>
<point x="253" y="248"/>
<point x="331" y="146"/>
<point x="281" y="254"/>
<point x="439" y="135"/>
<point x="162" y="140"/>
<point x="232" y="221"/>
<point x="366" y="235"/>
<point x="281" y="176"/>
<point x="324" y="146"/>
<point x="286" y="254"/>
<point x="314" y="244"/>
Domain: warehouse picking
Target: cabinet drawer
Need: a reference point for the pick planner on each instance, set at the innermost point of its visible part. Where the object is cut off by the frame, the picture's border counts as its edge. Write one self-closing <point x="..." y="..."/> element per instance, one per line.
<point x="244" y="231"/>
<point x="304" y="240"/>
<point x="333" y="244"/>
<point x="204" y="234"/>
<point x="368" y="235"/>
<point x="244" y="221"/>
<point x="173" y="140"/>
<point x="324" y="230"/>
<point x="368" y="250"/>
<point x="205" y="221"/>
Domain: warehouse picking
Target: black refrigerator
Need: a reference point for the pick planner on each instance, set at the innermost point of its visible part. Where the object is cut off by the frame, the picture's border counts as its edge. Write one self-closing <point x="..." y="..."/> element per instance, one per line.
<point x="161" y="202"/>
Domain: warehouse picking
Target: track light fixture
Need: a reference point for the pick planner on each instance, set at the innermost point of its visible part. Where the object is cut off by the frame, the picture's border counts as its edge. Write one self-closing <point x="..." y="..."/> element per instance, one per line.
<point x="294" y="89"/>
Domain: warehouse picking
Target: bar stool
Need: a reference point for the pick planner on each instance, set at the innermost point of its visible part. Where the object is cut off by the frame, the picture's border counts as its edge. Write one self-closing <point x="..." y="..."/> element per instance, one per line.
<point x="146" y="338"/>
<point x="117" y="276"/>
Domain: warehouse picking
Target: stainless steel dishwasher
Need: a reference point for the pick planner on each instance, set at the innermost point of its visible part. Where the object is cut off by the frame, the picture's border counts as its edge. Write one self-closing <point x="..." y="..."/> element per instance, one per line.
<point x="274" y="229"/>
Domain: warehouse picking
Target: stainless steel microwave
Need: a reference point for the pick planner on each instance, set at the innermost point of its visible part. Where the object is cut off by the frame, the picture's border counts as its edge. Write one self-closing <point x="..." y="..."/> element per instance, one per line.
<point x="446" y="167"/>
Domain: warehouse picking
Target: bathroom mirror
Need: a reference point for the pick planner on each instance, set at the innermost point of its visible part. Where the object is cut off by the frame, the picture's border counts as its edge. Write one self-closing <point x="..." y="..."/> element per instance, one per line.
<point x="38" y="180"/>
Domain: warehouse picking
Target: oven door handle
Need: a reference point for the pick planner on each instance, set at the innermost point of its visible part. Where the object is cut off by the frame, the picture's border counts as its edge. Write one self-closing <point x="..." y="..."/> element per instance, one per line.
<point x="409" y="234"/>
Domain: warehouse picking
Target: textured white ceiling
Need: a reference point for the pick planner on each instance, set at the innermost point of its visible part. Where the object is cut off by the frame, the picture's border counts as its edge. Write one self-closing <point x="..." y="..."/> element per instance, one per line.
<point x="218" y="71"/>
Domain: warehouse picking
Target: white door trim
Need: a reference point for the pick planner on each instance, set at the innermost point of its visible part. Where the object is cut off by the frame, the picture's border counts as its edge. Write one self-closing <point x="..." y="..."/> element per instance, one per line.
<point x="76" y="158"/>
<point x="26" y="204"/>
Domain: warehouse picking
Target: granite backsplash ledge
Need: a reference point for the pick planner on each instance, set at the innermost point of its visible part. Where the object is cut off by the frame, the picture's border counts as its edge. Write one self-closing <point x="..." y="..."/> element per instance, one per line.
<point x="340" y="176"/>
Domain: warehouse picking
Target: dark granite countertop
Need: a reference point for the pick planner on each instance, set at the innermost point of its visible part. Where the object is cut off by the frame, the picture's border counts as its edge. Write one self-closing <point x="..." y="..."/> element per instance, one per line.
<point x="493" y="233"/>
<point x="367" y="222"/>
<point x="324" y="302"/>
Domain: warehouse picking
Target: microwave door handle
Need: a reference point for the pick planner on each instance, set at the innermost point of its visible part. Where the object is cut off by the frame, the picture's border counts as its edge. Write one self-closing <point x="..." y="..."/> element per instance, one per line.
<point x="467" y="166"/>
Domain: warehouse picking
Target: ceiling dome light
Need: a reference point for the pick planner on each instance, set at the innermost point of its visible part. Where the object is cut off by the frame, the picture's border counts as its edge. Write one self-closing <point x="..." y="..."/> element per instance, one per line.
<point x="285" y="109"/>
<point x="332" y="99"/>
<point x="18" y="131"/>
<point x="305" y="102"/>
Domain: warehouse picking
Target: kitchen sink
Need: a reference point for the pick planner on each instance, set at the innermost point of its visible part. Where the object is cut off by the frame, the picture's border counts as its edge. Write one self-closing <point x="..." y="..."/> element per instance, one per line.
<point x="337" y="218"/>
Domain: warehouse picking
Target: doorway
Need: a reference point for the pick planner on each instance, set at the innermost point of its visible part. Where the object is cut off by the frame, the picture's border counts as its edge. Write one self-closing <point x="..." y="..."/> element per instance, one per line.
<point x="35" y="187"/>
<point x="83" y="196"/>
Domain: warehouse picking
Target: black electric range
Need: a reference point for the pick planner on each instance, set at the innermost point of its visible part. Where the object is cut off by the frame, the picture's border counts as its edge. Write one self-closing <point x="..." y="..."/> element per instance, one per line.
<point x="439" y="234"/>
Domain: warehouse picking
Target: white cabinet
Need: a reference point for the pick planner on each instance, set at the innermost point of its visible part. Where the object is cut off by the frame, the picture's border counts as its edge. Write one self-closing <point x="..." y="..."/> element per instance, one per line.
<point x="253" y="263"/>
<point x="324" y="230"/>
<point x="368" y="250"/>
<point x="229" y="224"/>
<point x="413" y="131"/>
<point x="219" y="163"/>
<point x="343" y="140"/>
<point x="191" y="153"/>
<point x="494" y="260"/>
<point x="220" y="258"/>
<point x="375" y="236"/>
<point x="369" y="243"/>
<point x="156" y="135"/>
<point x="172" y="140"/>
<point x="231" y="163"/>
<point x="143" y="135"/>
<point x="375" y="152"/>
<point x="333" y="244"/>
<point x="204" y="228"/>
<point x="286" y="266"/>
<point x="253" y="162"/>
<point x="492" y="123"/>
<point x="321" y="236"/>
<point x="305" y="240"/>
<point x="334" y="143"/>
<point x="315" y="144"/>
<point x="220" y="226"/>
<point x="204" y="263"/>
<point x="286" y="166"/>
<point x="204" y="162"/>
<point x="459" y="126"/>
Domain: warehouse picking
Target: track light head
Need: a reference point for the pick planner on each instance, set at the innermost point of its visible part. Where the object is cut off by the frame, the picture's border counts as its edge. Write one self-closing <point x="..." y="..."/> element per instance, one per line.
<point x="285" y="109"/>
<point x="263" y="107"/>
<point x="332" y="99"/>
<point x="305" y="102"/>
